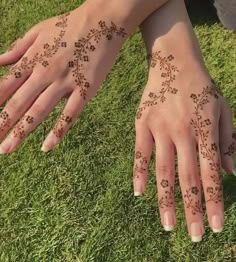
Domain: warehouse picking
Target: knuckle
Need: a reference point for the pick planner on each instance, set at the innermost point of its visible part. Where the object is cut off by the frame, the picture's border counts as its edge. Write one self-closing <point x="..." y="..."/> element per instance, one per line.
<point x="14" y="105"/>
<point x="37" y="110"/>
<point x="164" y="170"/>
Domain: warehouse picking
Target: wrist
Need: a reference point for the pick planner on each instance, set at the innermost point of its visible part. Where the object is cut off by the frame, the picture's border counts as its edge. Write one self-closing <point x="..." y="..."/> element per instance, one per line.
<point x="129" y="14"/>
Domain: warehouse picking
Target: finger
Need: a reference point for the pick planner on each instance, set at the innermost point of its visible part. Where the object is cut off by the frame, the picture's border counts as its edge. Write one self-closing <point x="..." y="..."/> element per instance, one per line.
<point x="73" y="108"/>
<point x="165" y="172"/>
<point x="19" y="103"/>
<point x="39" y="110"/>
<point x="143" y="151"/>
<point x="19" y="47"/>
<point x="210" y="165"/>
<point x="15" y="77"/>
<point x="227" y="142"/>
<point x="190" y="185"/>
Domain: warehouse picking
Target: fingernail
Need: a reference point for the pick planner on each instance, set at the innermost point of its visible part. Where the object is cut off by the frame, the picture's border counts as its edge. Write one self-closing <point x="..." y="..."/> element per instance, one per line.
<point x="234" y="172"/>
<point x="5" y="147"/>
<point x="45" y="148"/>
<point x="168" y="221"/>
<point x="196" y="233"/>
<point x="137" y="193"/>
<point x="216" y="224"/>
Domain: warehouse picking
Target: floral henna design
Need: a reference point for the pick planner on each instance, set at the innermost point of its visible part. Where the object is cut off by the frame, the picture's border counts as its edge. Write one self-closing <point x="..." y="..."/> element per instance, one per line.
<point x="168" y="74"/>
<point x="232" y="146"/>
<point x="195" y="206"/>
<point x="58" y="130"/>
<point x="19" y="130"/>
<point x="5" y="121"/>
<point x="141" y="164"/>
<point x="49" y="51"/>
<point x="199" y="124"/>
<point x="168" y="199"/>
<point x="215" y="194"/>
<point x="87" y="44"/>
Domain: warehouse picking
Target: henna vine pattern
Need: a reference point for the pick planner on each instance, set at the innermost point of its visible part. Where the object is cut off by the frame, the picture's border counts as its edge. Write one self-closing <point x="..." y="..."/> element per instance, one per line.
<point x="168" y="199"/>
<point x="195" y="206"/>
<point x="207" y="151"/>
<point x="231" y="149"/>
<point x="49" y="51"/>
<point x="87" y="44"/>
<point x="58" y="130"/>
<point x="5" y="120"/>
<point x="215" y="194"/>
<point x="141" y="164"/>
<point x="168" y="74"/>
<point x="19" y="130"/>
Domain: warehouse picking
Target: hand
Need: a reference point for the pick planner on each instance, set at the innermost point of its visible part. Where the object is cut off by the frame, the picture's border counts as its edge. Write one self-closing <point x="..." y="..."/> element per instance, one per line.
<point x="66" y="56"/>
<point x="180" y="111"/>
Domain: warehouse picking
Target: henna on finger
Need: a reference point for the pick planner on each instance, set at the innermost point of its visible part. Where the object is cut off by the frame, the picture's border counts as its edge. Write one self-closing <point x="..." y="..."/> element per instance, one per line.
<point x="207" y="151"/>
<point x="190" y="202"/>
<point x="5" y="121"/>
<point x="140" y="164"/>
<point x="166" y="200"/>
<point x="59" y="129"/>
<point x="168" y="74"/>
<point x="19" y="130"/>
<point x="49" y="51"/>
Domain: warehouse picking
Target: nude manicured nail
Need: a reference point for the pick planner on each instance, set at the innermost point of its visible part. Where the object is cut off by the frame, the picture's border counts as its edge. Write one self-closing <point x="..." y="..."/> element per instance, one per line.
<point x="234" y="172"/>
<point x="44" y="148"/>
<point x="216" y="223"/>
<point x="168" y="221"/>
<point x="196" y="232"/>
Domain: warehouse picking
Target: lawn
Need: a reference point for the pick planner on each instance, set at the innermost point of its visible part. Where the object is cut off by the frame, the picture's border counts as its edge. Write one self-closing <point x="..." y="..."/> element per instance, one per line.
<point x="76" y="203"/>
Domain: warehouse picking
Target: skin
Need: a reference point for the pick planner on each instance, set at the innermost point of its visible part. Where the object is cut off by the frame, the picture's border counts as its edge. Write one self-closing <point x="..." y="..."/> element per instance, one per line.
<point x="61" y="57"/>
<point x="184" y="115"/>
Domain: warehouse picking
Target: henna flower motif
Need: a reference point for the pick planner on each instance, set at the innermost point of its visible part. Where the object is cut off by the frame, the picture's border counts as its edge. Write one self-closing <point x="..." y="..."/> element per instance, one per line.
<point x="63" y="44"/>
<point x="170" y="57"/>
<point x="45" y="63"/>
<point x="209" y="189"/>
<point x="164" y="183"/>
<point x="138" y="155"/>
<point x="71" y="64"/>
<point x="92" y="48"/>
<point x="46" y="46"/>
<point x="17" y="74"/>
<point x="195" y="190"/>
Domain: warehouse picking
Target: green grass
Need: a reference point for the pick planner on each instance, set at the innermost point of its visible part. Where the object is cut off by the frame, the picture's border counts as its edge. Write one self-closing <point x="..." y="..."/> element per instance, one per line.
<point x="76" y="203"/>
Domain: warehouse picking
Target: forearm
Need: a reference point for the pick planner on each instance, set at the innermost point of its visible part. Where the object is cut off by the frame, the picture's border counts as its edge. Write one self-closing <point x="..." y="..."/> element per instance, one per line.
<point x="169" y="30"/>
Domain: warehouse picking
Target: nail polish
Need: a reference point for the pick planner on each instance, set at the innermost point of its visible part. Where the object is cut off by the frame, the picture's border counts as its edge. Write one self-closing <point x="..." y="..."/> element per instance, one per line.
<point x="137" y="193"/>
<point x="216" y="224"/>
<point x="168" y="221"/>
<point x="196" y="232"/>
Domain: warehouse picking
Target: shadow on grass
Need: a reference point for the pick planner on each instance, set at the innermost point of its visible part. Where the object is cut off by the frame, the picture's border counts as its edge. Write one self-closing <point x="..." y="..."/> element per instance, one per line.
<point x="229" y="184"/>
<point x="202" y="12"/>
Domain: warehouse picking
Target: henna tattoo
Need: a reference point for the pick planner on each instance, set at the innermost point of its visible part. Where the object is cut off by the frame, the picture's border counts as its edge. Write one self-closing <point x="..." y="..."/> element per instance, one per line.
<point x="208" y="152"/>
<point x="215" y="194"/>
<point x="58" y="130"/>
<point x="49" y="51"/>
<point x="141" y="164"/>
<point x="195" y="206"/>
<point x="168" y="74"/>
<point x="5" y="120"/>
<point x="87" y="44"/>
<point x="231" y="149"/>
<point x="168" y="199"/>
<point x="19" y="130"/>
